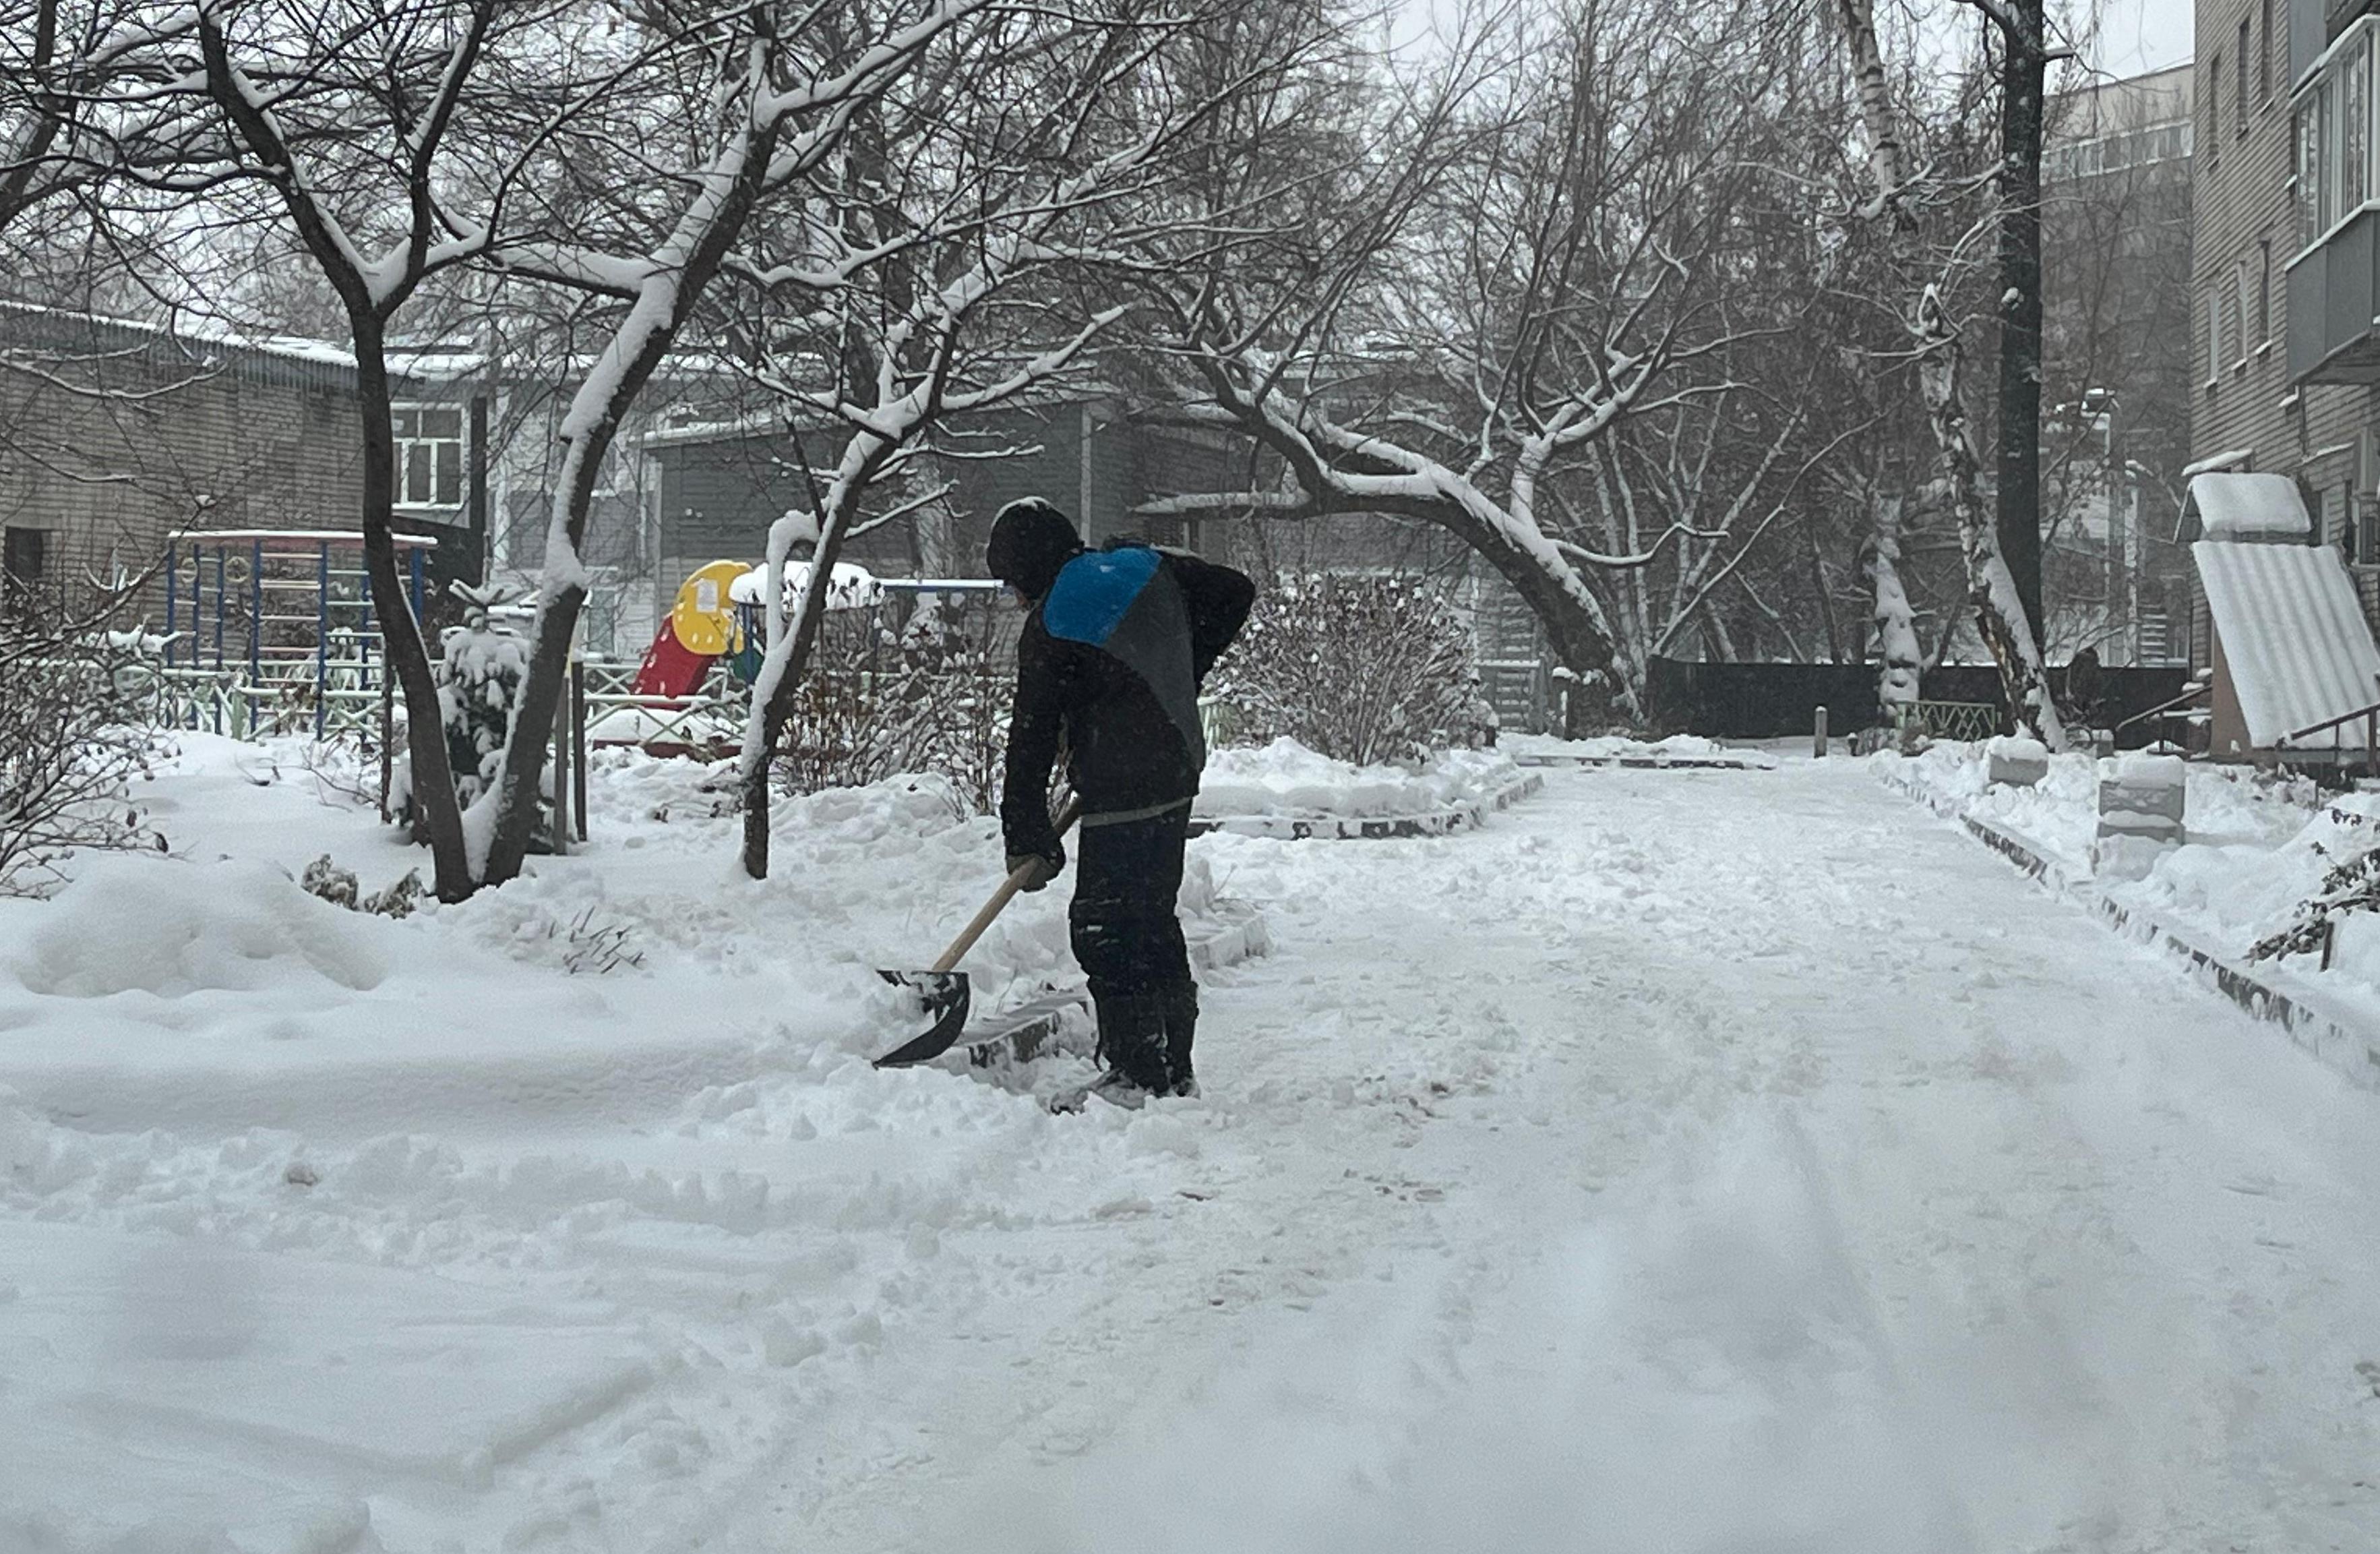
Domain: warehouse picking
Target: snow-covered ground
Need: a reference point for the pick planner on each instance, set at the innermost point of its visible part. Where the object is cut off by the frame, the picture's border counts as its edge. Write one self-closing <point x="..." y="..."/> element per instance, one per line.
<point x="1707" y="1161"/>
<point x="2256" y="847"/>
<point x="1684" y="749"/>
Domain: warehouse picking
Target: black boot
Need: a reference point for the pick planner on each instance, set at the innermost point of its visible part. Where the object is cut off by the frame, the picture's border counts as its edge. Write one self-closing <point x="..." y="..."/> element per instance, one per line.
<point x="1181" y="1027"/>
<point x="1132" y="1044"/>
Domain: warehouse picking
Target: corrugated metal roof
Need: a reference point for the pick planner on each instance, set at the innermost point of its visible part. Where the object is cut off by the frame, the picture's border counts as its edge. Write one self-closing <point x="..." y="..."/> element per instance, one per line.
<point x="2294" y="637"/>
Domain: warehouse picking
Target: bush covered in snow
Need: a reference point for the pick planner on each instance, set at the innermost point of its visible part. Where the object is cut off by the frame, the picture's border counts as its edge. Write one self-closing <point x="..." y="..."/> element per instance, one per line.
<point x="1362" y="669"/>
<point x="927" y="696"/>
<point x="481" y="665"/>
<point x="75" y="736"/>
<point x="480" y="676"/>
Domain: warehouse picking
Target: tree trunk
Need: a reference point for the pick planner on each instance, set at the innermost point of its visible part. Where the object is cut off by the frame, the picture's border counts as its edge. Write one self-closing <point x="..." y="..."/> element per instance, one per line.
<point x="1999" y="617"/>
<point x="1589" y="664"/>
<point x="404" y="652"/>
<point x="2023" y="72"/>
<point x="1899" y="663"/>
<point x="788" y="660"/>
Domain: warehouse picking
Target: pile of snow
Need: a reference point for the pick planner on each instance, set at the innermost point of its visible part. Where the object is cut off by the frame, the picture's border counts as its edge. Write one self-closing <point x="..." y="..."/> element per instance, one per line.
<point x="2232" y="504"/>
<point x="2255" y="846"/>
<point x="134" y="923"/>
<point x="1285" y="778"/>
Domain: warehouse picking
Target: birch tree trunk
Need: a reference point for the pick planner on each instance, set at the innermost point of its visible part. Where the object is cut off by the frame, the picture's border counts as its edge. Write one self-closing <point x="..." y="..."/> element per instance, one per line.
<point x="1999" y="612"/>
<point x="1901" y="662"/>
<point x="2000" y="616"/>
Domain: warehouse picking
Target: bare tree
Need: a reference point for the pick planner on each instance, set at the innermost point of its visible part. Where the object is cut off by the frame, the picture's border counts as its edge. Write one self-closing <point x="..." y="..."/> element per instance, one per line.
<point x="64" y="122"/>
<point x="346" y="114"/>
<point x="1900" y="198"/>
<point x="1503" y="304"/>
<point x="777" y="93"/>
<point x="994" y="196"/>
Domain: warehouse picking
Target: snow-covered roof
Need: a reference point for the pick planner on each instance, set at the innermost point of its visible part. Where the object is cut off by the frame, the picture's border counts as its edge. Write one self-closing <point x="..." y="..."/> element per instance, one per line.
<point x="737" y="428"/>
<point x="2230" y="458"/>
<point x="192" y="343"/>
<point x="2294" y="639"/>
<point x="2234" y="506"/>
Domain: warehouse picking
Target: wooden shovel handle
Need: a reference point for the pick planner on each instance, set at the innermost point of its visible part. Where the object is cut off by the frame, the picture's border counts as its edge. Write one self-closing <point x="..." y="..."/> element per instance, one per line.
<point x="1003" y="896"/>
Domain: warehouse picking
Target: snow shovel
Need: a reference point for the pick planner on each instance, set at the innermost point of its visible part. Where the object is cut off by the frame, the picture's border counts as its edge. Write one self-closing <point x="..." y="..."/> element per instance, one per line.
<point x="945" y="993"/>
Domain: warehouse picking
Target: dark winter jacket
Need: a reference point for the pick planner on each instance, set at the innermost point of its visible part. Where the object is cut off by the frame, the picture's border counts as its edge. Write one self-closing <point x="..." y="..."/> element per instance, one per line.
<point x="1111" y="661"/>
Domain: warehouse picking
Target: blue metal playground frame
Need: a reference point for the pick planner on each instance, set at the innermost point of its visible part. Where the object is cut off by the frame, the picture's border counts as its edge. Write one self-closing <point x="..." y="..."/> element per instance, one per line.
<point x="310" y="585"/>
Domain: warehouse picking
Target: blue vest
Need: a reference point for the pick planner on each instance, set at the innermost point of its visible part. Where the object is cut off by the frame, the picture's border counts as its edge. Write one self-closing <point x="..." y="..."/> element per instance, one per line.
<point x="1125" y="603"/>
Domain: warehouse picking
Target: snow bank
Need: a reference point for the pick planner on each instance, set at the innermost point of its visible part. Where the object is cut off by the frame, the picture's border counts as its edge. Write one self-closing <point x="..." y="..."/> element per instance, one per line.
<point x="1285" y="778"/>
<point x="2256" y="847"/>
<point x="160" y="926"/>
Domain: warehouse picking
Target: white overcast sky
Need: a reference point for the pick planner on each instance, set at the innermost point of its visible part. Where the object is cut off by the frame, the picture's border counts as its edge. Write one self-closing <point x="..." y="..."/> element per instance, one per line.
<point x="2137" y="35"/>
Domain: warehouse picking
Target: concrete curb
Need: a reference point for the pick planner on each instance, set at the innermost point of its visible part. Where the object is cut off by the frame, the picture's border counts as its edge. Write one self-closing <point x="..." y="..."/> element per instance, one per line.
<point x="1335" y="828"/>
<point x="2272" y="995"/>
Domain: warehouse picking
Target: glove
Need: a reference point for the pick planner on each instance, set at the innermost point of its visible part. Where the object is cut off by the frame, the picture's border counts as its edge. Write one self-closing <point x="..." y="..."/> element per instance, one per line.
<point x="1051" y="861"/>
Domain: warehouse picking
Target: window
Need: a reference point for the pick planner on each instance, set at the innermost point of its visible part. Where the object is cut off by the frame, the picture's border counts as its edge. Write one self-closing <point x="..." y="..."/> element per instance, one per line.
<point x="2326" y="117"/>
<point x="2309" y="180"/>
<point x="2264" y="54"/>
<point x="2355" y="130"/>
<point x="24" y="555"/>
<point x="2213" y="337"/>
<point x="2240" y="58"/>
<point x="2333" y="518"/>
<point x="2265" y="290"/>
<point x="2334" y="173"/>
<point x="2239" y="285"/>
<point x="429" y="455"/>
<point x="2215" y="102"/>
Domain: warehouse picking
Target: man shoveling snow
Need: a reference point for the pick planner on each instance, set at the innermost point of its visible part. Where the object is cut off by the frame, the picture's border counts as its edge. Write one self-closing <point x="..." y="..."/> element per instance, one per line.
<point x="1112" y="657"/>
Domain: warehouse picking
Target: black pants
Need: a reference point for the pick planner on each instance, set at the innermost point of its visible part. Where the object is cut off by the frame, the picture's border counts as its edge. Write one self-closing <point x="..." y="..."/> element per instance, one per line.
<point x="1128" y="937"/>
<point x="1127" y="934"/>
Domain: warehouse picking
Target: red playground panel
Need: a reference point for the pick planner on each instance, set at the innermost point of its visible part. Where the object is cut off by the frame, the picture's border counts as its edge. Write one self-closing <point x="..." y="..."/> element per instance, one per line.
<point x="670" y="668"/>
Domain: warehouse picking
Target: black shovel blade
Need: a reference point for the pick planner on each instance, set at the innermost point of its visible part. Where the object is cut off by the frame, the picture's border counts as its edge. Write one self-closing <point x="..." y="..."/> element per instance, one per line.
<point x="946" y="996"/>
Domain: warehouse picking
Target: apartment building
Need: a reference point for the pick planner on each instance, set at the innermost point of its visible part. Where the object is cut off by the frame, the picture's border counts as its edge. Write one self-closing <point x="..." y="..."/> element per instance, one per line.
<point x="2285" y="253"/>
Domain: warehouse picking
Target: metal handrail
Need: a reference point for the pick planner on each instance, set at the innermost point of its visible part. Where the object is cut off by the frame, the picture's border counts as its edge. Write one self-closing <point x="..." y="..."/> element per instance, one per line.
<point x="2364" y="712"/>
<point x="2191" y="692"/>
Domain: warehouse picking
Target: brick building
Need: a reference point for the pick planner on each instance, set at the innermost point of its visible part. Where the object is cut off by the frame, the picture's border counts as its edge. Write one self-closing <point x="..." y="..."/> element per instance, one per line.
<point x="2287" y="336"/>
<point x="114" y="436"/>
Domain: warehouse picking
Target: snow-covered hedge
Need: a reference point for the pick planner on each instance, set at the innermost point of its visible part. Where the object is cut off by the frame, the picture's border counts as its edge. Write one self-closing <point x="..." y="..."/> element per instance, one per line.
<point x="878" y="702"/>
<point x="75" y="746"/>
<point x="1362" y="669"/>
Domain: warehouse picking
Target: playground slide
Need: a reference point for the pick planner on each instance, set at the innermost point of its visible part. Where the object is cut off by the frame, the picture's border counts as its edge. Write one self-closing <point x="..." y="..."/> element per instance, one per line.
<point x="700" y="625"/>
<point x="704" y="621"/>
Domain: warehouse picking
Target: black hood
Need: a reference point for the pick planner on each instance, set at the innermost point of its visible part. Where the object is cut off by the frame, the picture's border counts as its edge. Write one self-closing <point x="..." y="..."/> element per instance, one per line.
<point x="1030" y="543"/>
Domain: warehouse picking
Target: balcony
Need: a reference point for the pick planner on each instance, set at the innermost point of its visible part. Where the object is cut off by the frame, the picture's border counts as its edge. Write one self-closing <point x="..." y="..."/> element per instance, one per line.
<point x="2332" y="290"/>
<point x="2314" y="25"/>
